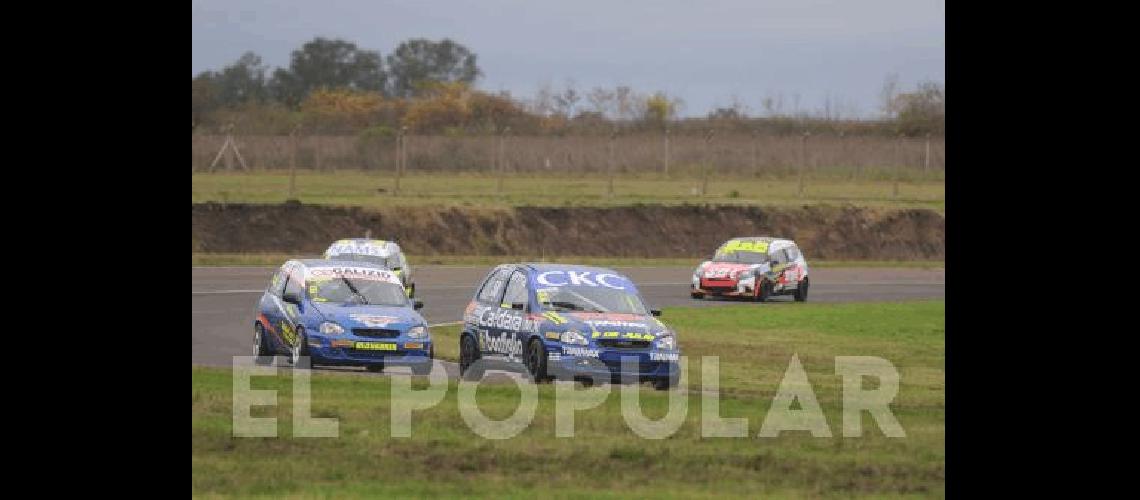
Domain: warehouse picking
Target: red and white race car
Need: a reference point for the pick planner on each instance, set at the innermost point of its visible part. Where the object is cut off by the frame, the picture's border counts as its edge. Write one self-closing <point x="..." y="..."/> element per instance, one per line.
<point x="757" y="267"/>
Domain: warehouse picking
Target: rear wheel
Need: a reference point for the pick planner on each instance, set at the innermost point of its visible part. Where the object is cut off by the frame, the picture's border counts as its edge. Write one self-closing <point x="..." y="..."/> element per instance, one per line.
<point x="375" y="367"/>
<point x="802" y="291"/>
<point x="468" y="355"/>
<point x="697" y="295"/>
<point x="536" y="361"/>
<point x="261" y="353"/>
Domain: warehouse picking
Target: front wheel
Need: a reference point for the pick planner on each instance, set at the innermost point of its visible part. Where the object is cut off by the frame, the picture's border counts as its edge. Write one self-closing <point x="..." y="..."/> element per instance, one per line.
<point x="536" y="361"/>
<point x="763" y="292"/>
<point x="468" y="355"/>
<point x="696" y="295"/>
<point x="664" y="383"/>
<point x="425" y="368"/>
<point x="375" y="367"/>
<point x="299" y="350"/>
<point x="802" y="291"/>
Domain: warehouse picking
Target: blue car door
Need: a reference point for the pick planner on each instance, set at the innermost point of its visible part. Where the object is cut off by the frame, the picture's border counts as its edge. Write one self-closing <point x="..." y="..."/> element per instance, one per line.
<point x="269" y="309"/>
<point x="513" y="311"/>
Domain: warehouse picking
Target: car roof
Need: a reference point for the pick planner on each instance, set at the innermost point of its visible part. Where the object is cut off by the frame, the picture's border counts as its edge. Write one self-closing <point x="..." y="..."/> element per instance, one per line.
<point x="337" y="263"/>
<point x="768" y="239"/>
<point x="371" y="241"/>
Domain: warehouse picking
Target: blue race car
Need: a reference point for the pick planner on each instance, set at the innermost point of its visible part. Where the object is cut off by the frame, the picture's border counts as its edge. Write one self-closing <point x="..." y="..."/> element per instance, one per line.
<point x="567" y="322"/>
<point x="341" y="313"/>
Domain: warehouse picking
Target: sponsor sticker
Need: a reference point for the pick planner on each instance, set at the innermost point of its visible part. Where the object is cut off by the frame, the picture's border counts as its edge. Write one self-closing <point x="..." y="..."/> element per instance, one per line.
<point x="582" y="278"/>
<point x="373" y="320"/>
<point x="663" y="356"/>
<point x="363" y="273"/>
<point x="580" y="351"/>
<point x="375" y="346"/>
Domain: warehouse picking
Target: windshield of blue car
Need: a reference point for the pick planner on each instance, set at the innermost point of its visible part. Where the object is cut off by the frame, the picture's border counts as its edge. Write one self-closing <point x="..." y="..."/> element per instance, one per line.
<point x="371" y="292"/>
<point x="744" y="257"/>
<point x="389" y="262"/>
<point x="590" y="299"/>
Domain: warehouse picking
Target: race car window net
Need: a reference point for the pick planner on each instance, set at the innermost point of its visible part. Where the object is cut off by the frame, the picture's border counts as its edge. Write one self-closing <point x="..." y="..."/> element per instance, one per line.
<point x="516" y="290"/>
<point x="591" y="299"/>
<point x="374" y="292"/>
<point x="741" y="256"/>
<point x="493" y="287"/>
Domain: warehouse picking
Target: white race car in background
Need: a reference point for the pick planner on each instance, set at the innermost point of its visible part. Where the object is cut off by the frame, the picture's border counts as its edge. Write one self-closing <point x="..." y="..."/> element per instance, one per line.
<point x="757" y="267"/>
<point x="382" y="252"/>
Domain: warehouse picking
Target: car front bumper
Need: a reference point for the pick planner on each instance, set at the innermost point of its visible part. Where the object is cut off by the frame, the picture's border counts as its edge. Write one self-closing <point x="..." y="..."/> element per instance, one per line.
<point x="340" y="351"/>
<point x="645" y="364"/>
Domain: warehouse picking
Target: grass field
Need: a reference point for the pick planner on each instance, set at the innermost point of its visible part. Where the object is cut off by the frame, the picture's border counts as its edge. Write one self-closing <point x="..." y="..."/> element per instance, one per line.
<point x="605" y="458"/>
<point x="276" y="259"/>
<point x="360" y="188"/>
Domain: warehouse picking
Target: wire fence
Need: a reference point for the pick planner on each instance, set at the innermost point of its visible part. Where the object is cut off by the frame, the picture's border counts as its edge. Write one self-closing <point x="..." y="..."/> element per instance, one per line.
<point x="666" y="154"/>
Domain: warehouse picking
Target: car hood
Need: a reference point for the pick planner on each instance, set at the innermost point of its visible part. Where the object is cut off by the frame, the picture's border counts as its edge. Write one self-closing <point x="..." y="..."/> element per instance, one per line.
<point x="728" y="269"/>
<point x="367" y="316"/>
<point x="600" y="323"/>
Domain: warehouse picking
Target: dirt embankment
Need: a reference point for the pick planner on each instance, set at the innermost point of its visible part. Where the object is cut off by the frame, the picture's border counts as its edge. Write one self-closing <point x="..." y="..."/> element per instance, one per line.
<point x="831" y="233"/>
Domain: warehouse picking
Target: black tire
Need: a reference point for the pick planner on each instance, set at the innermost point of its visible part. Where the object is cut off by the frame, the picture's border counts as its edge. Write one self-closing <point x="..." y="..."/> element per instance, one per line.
<point x="697" y="295"/>
<point x="664" y="383"/>
<point x="425" y="368"/>
<point x="802" y="291"/>
<point x="468" y="355"/>
<point x="536" y="361"/>
<point x="301" y="349"/>
<point x="375" y="367"/>
<point x="261" y="353"/>
<point x="765" y="291"/>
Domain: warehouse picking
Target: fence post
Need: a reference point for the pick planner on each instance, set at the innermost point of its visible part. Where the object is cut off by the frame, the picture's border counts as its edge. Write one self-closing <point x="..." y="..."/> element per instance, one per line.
<point x="705" y="164"/>
<point x="755" y="154"/>
<point x="898" y="166"/>
<point x="926" y="159"/>
<point x="293" y="138"/>
<point x="613" y="137"/>
<point x="666" y="152"/>
<point x="400" y="149"/>
<point x="502" y="158"/>
<point x="803" y="162"/>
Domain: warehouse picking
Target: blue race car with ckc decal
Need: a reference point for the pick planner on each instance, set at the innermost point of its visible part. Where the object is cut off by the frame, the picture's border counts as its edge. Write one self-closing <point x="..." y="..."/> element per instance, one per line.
<point x="569" y="322"/>
<point x="341" y="313"/>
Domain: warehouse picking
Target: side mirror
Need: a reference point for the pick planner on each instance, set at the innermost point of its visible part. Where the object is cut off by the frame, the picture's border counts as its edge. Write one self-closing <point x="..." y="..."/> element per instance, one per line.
<point x="518" y="306"/>
<point x="292" y="298"/>
<point x="419" y="304"/>
<point x="655" y="312"/>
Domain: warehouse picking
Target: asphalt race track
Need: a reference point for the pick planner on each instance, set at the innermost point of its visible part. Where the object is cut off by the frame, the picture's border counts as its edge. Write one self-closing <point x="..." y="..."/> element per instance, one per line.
<point x="223" y="298"/>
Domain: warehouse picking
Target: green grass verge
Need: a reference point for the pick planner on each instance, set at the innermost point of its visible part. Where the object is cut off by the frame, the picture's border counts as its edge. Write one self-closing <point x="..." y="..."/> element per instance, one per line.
<point x="360" y="188"/>
<point x="605" y="458"/>
<point x="276" y="259"/>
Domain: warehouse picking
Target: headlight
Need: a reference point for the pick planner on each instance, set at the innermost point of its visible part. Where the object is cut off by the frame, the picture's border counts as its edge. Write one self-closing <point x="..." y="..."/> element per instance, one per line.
<point x="573" y="337"/>
<point x="417" y="332"/>
<point x="667" y="343"/>
<point x="329" y="328"/>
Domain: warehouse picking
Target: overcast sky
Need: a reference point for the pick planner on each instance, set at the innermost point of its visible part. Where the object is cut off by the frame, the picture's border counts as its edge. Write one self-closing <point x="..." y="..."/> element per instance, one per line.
<point x="706" y="52"/>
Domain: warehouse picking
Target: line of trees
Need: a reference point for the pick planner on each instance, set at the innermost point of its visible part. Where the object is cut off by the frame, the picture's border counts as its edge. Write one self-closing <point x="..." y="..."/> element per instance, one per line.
<point x="333" y="86"/>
